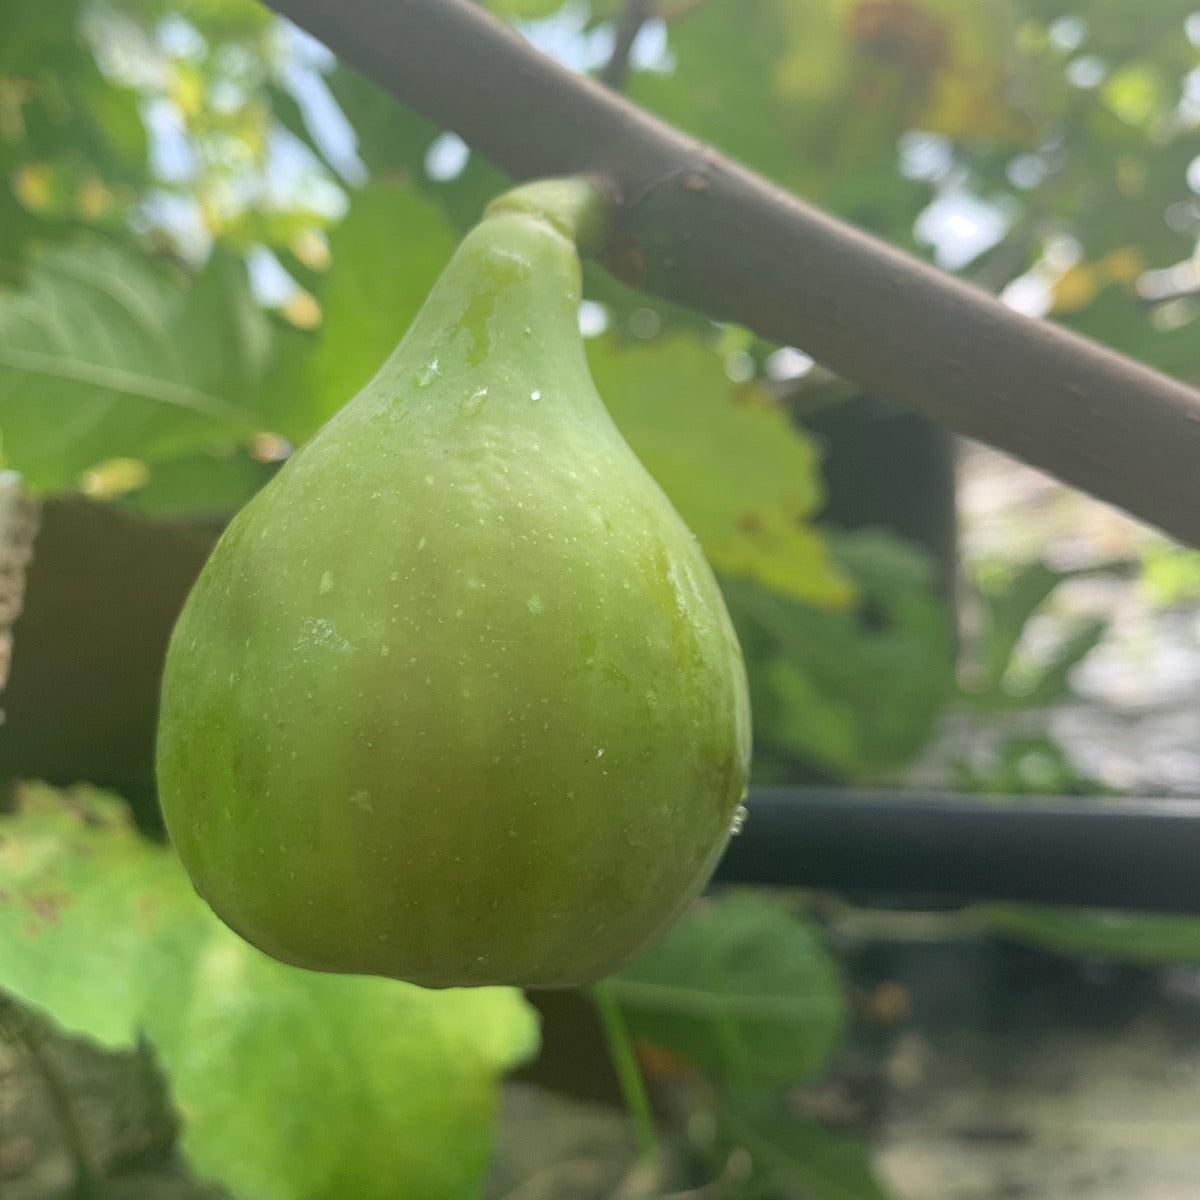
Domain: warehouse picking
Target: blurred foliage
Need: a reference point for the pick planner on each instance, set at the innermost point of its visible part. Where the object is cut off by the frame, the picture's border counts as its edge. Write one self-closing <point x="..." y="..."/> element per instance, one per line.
<point x="816" y="93"/>
<point x="740" y="988"/>
<point x="856" y="692"/>
<point x="401" y="1074"/>
<point x="1000" y="672"/>
<point x="73" y="149"/>
<point x="1122" y="937"/>
<point x="742" y="1000"/>
<point x="1171" y="573"/>
<point x="765" y="1151"/>
<point x="104" y="354"/>
<point x="1005" y="671"/>
<point x="373" y="288"/>
<point x="198" y="487"/>
<point x="1024" y="764"/>
<point x="1019" y="652"/>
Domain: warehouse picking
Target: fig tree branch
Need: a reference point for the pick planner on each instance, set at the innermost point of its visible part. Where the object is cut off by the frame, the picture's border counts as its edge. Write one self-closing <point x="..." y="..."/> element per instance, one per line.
<point x="697" y="228"/>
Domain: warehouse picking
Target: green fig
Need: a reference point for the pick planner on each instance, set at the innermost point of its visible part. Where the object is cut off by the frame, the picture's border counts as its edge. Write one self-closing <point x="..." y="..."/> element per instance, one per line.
<point x="456" y="699"/>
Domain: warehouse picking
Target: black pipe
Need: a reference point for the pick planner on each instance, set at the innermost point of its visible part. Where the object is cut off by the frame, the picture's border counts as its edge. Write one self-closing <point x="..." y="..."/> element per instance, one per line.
<point x="1107" y="853"/>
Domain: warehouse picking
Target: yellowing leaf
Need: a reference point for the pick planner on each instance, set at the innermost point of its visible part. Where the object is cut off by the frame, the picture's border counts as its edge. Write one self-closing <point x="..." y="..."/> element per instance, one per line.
<point x="1079" y="285"/>
<point x="928" y="64"/>
<point x="32" y="185"/>
<point x="302" y="310"/>
<point x="1076" y="288"/>
<point x="968" y="95"/>
<point x="114" y="478"/>
<point x="741" y="475"/>
<point x="93" y="199"/>
<point x="1136" y="93"/>
<point x="187" y="90"/>
<point x="311" y="248"/>
<point x="1124" y="264"/>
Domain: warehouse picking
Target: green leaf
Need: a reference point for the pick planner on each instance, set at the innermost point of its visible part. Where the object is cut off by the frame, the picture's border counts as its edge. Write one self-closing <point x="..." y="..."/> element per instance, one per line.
<point x="1170" y="573"/>
<point x="229" y="336"/>
<point x="859" y="692"/>
<point x="523" y="9"/>
<point x="1008" y="679"/>
<point x="815" y="93"/>
<point x="746" y="47"/>
<point x="1053" y="677"/>
<point x="742" y="988"/>
<point x="1024" y="765"/>
<point x="787" y="1156"/>
<point x="81" y="897"/>
<point x="292" y="1085"/>
<point x="392" y="141"/>
<point x="1118" y="319"/>
<point x="742" y="476"/>
<point x="73" y="144"/>
<point x="199" y="487"/>
<point x="1008" y="610"/>
<point x="1098" y="933"/>
<point x="98" y="359"/>
<point x="216" y="18"/>
<point x="387" y="253"/>
<point x="1138" y="94"/>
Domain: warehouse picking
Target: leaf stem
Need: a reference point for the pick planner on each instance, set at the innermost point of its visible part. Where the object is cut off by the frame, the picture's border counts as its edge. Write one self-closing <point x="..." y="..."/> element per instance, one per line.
<point x="625" y="1064"/>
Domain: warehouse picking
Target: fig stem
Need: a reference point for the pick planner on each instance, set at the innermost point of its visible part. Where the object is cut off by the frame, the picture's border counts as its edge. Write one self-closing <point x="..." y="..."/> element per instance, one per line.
<point x="625" y="1064"/>
<point x="577" y="206"/>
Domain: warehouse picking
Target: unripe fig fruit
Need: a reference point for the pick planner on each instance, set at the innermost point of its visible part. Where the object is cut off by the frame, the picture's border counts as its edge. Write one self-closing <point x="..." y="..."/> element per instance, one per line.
<point x="456" y="699"/>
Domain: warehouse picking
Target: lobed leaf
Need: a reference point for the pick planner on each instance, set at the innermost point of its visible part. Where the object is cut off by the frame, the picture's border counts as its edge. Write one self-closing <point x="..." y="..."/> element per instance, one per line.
<point x="292" y="1085"/>
<point x="740" y="987"/>
<point x="102" y="356"/>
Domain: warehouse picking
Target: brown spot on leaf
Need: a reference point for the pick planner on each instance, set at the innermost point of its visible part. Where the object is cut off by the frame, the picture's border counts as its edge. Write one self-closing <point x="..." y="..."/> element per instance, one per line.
<point x="48" y="906"/>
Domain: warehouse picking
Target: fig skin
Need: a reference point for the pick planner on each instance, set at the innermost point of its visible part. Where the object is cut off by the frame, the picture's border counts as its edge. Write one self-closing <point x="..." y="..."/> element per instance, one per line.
<point x="456" y="699"/>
